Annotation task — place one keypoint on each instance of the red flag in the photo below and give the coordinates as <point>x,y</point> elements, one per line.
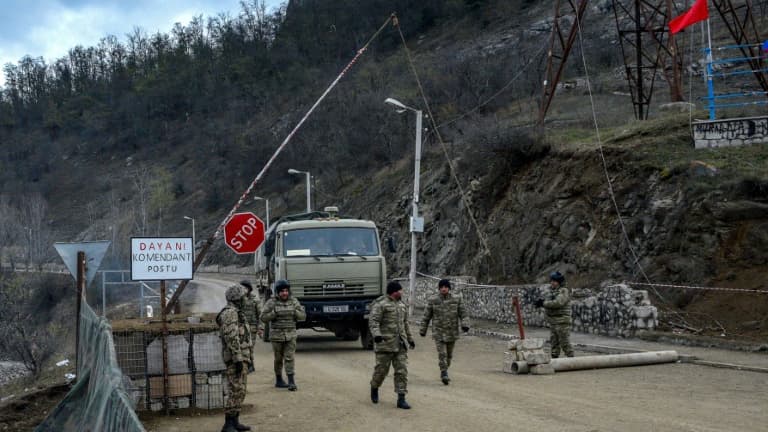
<point>697,12</point>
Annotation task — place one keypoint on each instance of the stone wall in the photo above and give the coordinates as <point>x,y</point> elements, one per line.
<point>730,132</point>
<point>616,310</point>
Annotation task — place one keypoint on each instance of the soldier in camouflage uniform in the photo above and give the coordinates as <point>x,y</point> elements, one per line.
<point>558,310</point>
<point>252,311</point>
<point>389,327</point>
<point>446,313</point>
<point>236,345</point>
<point>282,312</point>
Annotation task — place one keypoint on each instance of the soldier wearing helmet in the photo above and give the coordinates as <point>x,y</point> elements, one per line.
<point>236,345</point>
<point>558,310</point>
<point>252,311</point>
<point>282,312</point>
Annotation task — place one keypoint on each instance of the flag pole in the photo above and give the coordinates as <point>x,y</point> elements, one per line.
<point>710,84</point>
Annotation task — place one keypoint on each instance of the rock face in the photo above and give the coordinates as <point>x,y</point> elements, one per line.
<point>616,310</point>
<point>11,370</point>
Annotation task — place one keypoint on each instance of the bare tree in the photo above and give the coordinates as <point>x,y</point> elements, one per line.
<point>34,209</point>
<point>19,336</point>
<point>9,222</point>
<point>141,181</point>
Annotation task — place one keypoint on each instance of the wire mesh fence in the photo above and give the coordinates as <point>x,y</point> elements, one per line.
<point>193,364</point>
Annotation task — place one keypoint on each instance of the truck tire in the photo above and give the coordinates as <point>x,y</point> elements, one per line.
<point>366,340</point>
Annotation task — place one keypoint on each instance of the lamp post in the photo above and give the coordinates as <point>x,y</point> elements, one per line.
<point>266,201</point>
<point>193,236</point>
<point>309,202</point>
<point>417,223</point>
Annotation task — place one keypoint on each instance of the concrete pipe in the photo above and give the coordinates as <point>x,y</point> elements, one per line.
<point>519,367</point>
<point>613,360</point>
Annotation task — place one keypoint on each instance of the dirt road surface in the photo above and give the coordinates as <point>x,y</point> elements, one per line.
<point>333,378</point>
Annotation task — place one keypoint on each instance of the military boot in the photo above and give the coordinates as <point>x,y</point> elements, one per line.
<point>229,423</point>
<point>239,426</point>
<point>279,383</point>
<point>291,383</point>
<point>375,395</point>
<point>401,403</point>
<point>444,377</point>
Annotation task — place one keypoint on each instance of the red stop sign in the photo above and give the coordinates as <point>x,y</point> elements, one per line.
<point>244,233</point>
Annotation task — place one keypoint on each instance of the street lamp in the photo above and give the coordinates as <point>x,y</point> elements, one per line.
<point>309,203</point>
<point>417,223</point>
<point>266,201</point>
<point>193,236</point>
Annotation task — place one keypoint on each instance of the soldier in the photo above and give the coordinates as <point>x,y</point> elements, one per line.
<point>252,311</point>
<point>558,310</point>
<point>236,351</point>
<point>446,313</point>
<point>389,326</point>
<point>283,311</point>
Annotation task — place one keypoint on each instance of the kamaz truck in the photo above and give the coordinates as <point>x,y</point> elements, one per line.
<point>335,267</point>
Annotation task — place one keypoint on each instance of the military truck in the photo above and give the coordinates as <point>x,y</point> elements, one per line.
<point>335,266</point>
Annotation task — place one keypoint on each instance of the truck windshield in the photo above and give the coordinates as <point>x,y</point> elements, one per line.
<point>330,242</point>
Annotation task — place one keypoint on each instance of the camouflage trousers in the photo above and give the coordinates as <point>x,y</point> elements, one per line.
<point>444,354</point>
<point>237,385</point>
<point>284,352</point>
<point>560,339</point>
<point>399,361</point>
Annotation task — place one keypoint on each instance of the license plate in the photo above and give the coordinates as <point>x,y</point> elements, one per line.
<point>334,285</point>
<point>336,309</point>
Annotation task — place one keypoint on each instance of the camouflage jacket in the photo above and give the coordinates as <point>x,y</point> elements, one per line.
<point>282,317</point>
<point>252,310</point>
<point>558,306</point>
<point>236,342</point>
<point>389,319</point>
<point>446,314</point>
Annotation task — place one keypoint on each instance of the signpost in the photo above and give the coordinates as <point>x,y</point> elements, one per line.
<point>244,233</point>
<point>74,256</point>
<point>161,258</point>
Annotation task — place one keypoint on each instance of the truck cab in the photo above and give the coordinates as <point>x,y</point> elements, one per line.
<point>335,267</point>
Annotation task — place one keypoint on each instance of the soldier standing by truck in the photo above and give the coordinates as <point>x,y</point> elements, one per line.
<point>236,351</point>
<point>391,332</point>
<point>281,313</point>
<point>446,312</point>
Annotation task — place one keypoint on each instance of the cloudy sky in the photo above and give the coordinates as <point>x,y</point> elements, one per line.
<point>49,28</point>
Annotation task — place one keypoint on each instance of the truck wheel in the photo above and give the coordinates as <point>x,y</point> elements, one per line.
<point>366,340</point>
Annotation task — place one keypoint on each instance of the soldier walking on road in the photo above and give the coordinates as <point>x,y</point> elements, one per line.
<point>558,310</point>
<point>282,312</point>
<point>252,311</point>
<point>236,352</point>
<point>446,312</point>
<point>390,330</point>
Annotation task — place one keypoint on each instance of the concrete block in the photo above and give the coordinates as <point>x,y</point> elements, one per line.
<point>178,355</point>
<point>156,406</point>
<point>201,378</point>
<point>542,369</point>
<point>215,379</point>
<point>530,344</point>
<point>535,357</point>
<point>178,385</point>
<point>182,402</point>
<point>509,358</point>
<point>206,352</point>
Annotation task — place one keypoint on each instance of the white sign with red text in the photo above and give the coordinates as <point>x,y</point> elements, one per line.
<point>162,258</point>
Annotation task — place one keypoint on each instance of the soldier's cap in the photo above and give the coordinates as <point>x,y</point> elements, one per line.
<point>282,284</point>
<point>235,293</point>
<point>557,277</point>
<point>444,283</point>
<point>393,287</point>
<point>246,283</point>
